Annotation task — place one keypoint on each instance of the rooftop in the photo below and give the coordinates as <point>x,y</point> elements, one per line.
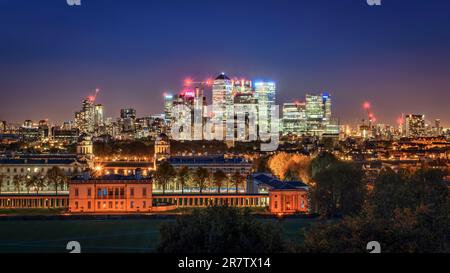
<point>110,177</point>
<point>192,160</point>
<point>279,185</point>
<point>222,76</point>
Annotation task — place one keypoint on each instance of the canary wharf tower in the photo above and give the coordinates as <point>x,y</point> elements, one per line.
<point>222,99</point>
<point>265,94</point>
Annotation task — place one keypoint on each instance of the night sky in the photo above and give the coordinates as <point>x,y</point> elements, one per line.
<point>396,56</point>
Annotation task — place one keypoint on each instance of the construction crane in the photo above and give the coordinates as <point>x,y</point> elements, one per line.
<point>198,86</point>
<point>92,98</point>
<point>189,82</point>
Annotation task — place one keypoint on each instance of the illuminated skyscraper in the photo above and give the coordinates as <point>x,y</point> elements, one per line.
<point>314,114</point>
<point>319,115</point>
<point>221,90</point>
<point>265,93</point>
<point>222,101</point>
<point>168,106</point>
<point>294,118</point>
<point>85,119</point>
<point>99,116</point>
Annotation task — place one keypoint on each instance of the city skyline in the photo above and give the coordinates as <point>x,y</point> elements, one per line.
<point>399,64</point>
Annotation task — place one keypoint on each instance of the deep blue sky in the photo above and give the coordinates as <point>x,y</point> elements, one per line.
<point>51,55</point>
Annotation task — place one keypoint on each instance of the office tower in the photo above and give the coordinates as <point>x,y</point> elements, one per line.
<point>128,113</point>
<point>128,119</point>
<point>222,102</point>
<point>242,86</point>
<point>85,119</point>
<point>265,93</point>
<point>315,114</point>
<point>99,116</point>
<point>319,115</point>
<point>245,111</point>
<point>168,105</point>
<point>415,125</point>
<point>294,118</point>
<point>44,130</point>
<point>438,130</point>
<point>326,100</point>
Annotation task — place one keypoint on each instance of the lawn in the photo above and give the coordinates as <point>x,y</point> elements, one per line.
<point>131,235</point>
<point>28,212</point>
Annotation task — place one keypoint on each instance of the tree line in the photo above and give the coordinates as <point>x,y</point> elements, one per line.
<point>199,178</point>
<point>54,178</point>
<point>406,211</point>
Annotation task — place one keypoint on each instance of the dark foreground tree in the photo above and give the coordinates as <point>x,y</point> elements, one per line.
<point>220,230</point>
<point>405,213</point>
<point>339,190</point>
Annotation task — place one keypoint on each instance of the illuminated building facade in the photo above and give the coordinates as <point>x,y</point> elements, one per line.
<point>265,93</point>
<point>85,119</point>
<point>24,167</point>
<point>112,194</point>
<point>168,105</point>
<point>415,125</point>
<point>99,116</point>
<point>319,115</point>
<point>128,120</point>
<point>294,118</point>
<point>222,102</point>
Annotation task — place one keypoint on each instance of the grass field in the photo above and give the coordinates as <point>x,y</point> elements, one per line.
<point>100,236</point>
<point>31,211</point>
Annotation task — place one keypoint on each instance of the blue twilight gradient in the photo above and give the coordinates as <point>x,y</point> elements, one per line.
<point>51,55</point>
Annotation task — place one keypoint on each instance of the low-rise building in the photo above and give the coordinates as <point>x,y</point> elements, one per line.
<point>27,165</point>
<point>110,194</point>
<point>284,196</point>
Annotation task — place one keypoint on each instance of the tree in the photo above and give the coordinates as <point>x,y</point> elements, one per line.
<point>56,178</point>
<point>406,212</point>
<point>2,181</point>
<point>219,177</point>
<point>18,181</point>
<point>260,165</point>
<point>37,181</point>
<point>279,164</point>
<point>290,166</point>
<point>237,179</point>
<point>339,190</point>
<point>201,176</point>
<point>164,174</point>
<point>183,176</point>
<point>321,162</point>
<point>220,230</point>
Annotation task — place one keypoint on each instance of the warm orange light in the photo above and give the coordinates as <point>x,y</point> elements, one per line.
<point>188,82</point>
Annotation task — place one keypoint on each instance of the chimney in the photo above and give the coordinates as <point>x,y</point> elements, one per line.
<point>138,174</point>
